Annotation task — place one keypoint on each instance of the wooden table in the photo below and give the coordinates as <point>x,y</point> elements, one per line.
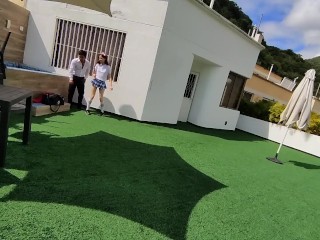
<point>8,97</point>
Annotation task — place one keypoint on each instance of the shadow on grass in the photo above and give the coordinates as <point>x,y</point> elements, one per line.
<point>236,135</point>
<point>305,165</point>
<point>17,118</point>
<point>148,184</point>
<point>7,178</point>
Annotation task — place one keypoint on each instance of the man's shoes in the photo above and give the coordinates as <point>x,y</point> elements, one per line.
<point>73,105</point>
<point>101,113</point>
<point>87,112</point>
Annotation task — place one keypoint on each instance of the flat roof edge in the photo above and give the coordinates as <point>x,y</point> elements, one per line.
<point>228,23</point>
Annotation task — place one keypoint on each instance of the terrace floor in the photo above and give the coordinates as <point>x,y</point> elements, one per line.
<point>92,177</point>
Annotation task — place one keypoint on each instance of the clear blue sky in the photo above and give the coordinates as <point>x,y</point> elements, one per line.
<point>287,24</point>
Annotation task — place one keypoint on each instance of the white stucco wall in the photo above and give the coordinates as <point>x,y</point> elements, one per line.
<point>197,33</point>
<point>143,33</point>
<point>161,48</point>
<point>205,110</point>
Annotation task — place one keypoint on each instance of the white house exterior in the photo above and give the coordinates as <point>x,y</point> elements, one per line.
<point>157,47</point>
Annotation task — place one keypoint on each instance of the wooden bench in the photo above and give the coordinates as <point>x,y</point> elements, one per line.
<point>38,83</point>
<point>39,109</point>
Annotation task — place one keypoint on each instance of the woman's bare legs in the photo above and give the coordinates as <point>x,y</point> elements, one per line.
<point>93,92</point>
<point>101,92</point>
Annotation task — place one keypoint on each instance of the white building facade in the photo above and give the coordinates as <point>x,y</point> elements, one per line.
<point>172,60</point>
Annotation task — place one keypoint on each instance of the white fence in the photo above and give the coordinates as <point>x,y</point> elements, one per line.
<point>288,84</point>
<point>208,2</point>
<point>296,139</point>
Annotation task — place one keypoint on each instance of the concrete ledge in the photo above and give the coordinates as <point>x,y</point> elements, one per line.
<point>39,109</point>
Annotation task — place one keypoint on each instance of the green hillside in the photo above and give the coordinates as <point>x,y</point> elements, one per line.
<point>315,62</point>
<point>286,62</point>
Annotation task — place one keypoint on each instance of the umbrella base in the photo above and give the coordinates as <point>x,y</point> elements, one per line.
<point>274,159</point>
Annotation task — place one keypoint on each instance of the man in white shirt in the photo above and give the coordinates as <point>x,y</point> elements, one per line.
<point>78,73</point>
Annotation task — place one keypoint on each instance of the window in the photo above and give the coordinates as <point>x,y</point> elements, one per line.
<point>192,80</point>
<point>232,91</point>
<point>71,36</point>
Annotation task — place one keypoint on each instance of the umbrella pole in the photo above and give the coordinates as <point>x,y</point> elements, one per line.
<point>275,158</point>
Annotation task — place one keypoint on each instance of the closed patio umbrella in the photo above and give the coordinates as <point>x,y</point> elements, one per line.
<point>298,109</point>
<point>97,5</point>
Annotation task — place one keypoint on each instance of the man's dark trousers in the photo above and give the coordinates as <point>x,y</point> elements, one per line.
<point>78,82</point>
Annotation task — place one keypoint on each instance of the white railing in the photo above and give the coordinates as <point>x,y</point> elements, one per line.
<point>288,83</point>
<point>265,76</point>
<point>210,4</point>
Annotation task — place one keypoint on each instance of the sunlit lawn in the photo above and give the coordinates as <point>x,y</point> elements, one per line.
<point>92,177</point>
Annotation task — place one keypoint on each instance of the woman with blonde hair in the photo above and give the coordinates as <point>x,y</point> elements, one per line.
<point>101,73</point>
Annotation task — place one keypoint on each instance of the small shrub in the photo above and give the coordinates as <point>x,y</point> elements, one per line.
<point>275,112</point>
<point>258,109</point>
<point>262,109</point>
<point>314,125</point>
<point>271,111</point>
<point>246,108</point>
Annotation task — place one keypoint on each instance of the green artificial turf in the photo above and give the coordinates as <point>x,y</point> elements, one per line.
<point>92,177</point>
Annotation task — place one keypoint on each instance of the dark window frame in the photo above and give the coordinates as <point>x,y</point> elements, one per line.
<point>233,91</point>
